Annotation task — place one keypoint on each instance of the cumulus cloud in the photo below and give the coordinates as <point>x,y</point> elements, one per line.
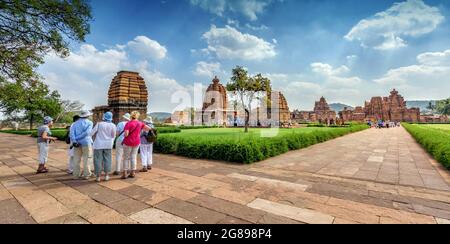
<point>207,69</point>
<point>428,78</point>
<point>335,76</point>
<point>388,29</point>
<point>147,48</point>
<point>257,28</point>
<point>229,43</point>
<point>86,74</point>
<point>432,68</point>
<point>249,8</point>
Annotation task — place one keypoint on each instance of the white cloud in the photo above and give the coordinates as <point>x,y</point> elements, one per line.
<point>431,68</point>
<point>429,78</point>
<point>389,29</point>
<point>249,8</point>
<point>147,48</point>
<point>435,59</point>
<point>328,70</point>
<point>207,69</point>
<point>335,77</point>
<point>229,43</point>
<point>91,60</point>
<point>257,28</point>
<point>86,75</point>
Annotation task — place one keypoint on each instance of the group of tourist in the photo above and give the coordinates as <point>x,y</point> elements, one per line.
<point>129,136</point>
<point>380,124</point>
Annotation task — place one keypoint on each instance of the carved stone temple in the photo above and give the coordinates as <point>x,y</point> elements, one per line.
<point>127,93</point>
<point>215,104</point>
<point>392,108</point>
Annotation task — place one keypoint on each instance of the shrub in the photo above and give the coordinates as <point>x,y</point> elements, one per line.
<point>247,149</point>
<point>168,130</point>
<point>436,142</point>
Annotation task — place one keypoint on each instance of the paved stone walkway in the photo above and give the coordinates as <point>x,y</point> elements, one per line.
<point>374,176</point>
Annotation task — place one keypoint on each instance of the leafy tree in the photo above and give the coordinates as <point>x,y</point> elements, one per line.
<point>443,107</point>
<point>29,29</point>
<point>33,100</point>
<point>68,110</point>
<point>247,89</point>
<point>431,107</point>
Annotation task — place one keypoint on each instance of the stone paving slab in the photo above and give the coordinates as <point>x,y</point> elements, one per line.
<point>299,214</point>
<point>387,178</point>
<point>12,212</point>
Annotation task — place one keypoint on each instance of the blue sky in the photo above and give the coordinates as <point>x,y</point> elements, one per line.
<point>346,50</point>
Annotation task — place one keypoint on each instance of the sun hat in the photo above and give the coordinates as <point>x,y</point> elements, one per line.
<point>47,120</point>
<point>85,114</point>
<point>108,117</point>
<point>148,120</point>
<point>127,116</point>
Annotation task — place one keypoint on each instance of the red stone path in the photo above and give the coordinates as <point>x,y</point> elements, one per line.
<point>374,176</point>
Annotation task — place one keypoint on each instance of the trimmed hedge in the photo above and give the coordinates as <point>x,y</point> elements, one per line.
<point>248,149</point>
<point>435,141</point>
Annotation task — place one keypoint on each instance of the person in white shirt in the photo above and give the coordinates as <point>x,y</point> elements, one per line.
<point>71,151</point>
<point>119,147</point>
<point>105,133</point>
<point>146,147</point>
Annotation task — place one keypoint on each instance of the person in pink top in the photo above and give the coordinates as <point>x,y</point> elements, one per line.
<point>131,144</point>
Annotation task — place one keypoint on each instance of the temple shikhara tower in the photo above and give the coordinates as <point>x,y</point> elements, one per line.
<point>127,93</point>
<point>215,104</point>
<point>391,108</point>
<point>282,109</point>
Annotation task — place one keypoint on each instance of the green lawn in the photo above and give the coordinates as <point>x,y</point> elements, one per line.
<point>444,127</point>
<point>434,138</point>
<point>238,133</point>
<point>233,145</point>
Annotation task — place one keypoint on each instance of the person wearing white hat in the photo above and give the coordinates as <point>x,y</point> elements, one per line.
<point>146,147</point>
<point>120,131</point>
<point>131,144</point>
<point>80,136</point>
<point>43,140</point>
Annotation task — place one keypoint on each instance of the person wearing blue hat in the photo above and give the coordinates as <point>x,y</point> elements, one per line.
<point>104,133</point>
<point>43,141</point>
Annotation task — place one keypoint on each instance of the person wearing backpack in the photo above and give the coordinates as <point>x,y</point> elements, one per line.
<point>43,141</point>
<point>105,133</point>
<point>80,137</point>
<point>119,147</point>
<point>70,163</point>
<point>147,140</point>
<point>131,144</point>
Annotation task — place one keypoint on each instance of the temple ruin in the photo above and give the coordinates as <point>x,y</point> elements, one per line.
<point>215,104</point>
<point>392,108</point>
<point>322,114</point>
<point>127,93</point>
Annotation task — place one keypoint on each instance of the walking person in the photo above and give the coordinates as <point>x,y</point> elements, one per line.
<point>119,147</point>
<point>105,133</point>
<point>131,144</point>
<point>147,147</point>
<point>71,150</point>
<point>43,141</point>
<point>80,136</point>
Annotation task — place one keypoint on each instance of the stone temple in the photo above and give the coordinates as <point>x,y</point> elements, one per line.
<point>392,108</point>
<point>322,113</point>
<point>215,104</point>
<point>127,93</point>
<point>282,109</point>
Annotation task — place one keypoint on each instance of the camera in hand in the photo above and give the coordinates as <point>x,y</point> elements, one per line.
<point>76,145</point>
